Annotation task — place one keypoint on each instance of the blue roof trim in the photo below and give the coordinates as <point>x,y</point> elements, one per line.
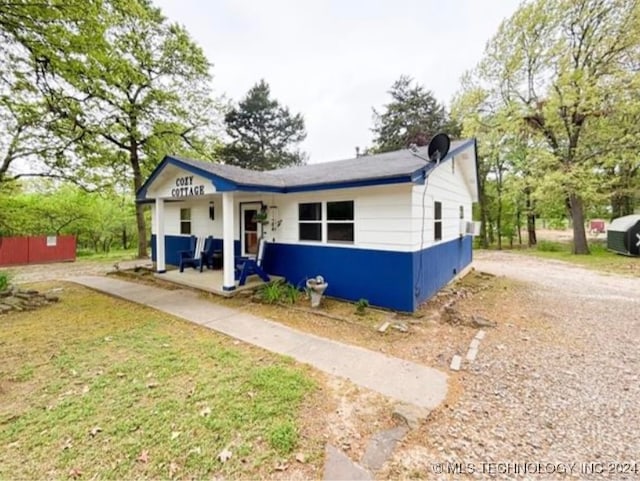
<point>222,184</point>
<point>141,195</point>
<point>420,175</point>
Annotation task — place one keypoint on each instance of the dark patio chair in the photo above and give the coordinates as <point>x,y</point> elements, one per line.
<point>193,256</point>
<point>246,266</point>
<point>208,251</point>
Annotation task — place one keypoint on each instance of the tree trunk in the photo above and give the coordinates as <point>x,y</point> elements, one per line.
<point>531,229</point>
<point>499,222</point>
<point>137,183</point>
<point>484,218</point>
<point>531,219</point>
<point>518,220</point>
<point>580,245</point>
<point>125,239</point>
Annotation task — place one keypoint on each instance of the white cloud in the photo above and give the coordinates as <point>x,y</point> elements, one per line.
<point>334,60</point>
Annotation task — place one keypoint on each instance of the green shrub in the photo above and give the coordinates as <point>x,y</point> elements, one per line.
<point>4,280</point>
<point>361,306</point>
<point>276,292</point>
<point>271,292</point>
<point>549,246</point>
<point>290,294</point>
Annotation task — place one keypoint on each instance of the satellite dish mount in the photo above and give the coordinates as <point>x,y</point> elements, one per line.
<point>439,147</point>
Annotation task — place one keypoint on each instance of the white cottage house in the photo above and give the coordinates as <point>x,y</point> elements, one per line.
<point>391,228</point>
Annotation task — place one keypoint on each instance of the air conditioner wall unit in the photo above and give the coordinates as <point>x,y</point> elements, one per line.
<point>468,227</point>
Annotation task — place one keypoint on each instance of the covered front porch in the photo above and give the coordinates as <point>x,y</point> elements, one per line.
<point>210,281</point>
<point>191,203</point>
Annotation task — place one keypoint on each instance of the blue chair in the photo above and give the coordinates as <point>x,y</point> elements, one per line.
<point>247,266</point>
<point>193,256</point>
<point>208,251</point>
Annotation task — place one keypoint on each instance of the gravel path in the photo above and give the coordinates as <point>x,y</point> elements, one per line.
<point>64,270</point>
<point>558,381</point>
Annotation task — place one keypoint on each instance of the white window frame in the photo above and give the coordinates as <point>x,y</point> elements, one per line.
<point>324,221</point>
<point>329,221</point>
<point>186,221</point>
<point>437,221</point>
<point>320,221</point>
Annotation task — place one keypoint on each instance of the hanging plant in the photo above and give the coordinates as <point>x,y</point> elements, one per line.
<point>262,217</point>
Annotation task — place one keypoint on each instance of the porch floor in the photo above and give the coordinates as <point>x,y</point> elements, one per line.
<point>210,281</point>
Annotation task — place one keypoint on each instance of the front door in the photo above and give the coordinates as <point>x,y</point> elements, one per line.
<point>249,228</point>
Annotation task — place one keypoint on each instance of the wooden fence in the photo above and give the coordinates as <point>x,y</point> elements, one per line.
<point>37,249</point>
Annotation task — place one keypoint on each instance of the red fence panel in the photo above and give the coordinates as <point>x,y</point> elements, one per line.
<point>37,249</point>
<point>51,249</point>
<point>14,250</point>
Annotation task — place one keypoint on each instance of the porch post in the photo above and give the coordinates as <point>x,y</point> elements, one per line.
<point>228,283</point>
<point>159,218</point>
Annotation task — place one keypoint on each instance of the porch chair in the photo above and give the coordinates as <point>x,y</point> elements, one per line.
<point>208,252</point>
<point>193,256</point>
<point>246,266</point>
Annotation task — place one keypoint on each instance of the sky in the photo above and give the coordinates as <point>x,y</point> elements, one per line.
<point>332,60</point>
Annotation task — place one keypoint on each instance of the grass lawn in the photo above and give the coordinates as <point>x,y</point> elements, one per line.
<point>112,255</point>
<point>599,259</point>
<point>95,387</point>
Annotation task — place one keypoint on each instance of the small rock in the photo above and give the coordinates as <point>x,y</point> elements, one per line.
<point>384,326</point>
<point>471,355</point>
<point>410,415</point>
<point>479,321</point>
<point>400,327</point>
<point>51,297</point>
<point>301,458</point>
<point>456,362</point>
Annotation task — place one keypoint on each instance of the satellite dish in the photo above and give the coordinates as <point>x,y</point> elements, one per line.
<point>439,147</point>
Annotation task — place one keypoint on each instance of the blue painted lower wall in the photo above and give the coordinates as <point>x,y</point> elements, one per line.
<point>381,277</point>
<point>395,280</point>
<point>435,266</point>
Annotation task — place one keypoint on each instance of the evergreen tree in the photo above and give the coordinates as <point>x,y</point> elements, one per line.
<point>264,134</point>
<point>413,116</point>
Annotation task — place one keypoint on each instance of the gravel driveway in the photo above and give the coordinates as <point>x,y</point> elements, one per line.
<point>64,270</point>
<point>555,385</point>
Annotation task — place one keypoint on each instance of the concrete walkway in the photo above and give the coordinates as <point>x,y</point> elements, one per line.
<point>402,380</point>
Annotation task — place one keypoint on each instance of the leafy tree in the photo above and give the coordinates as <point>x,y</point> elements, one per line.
<point>263,133</point>
<point>413,116</point>
<point>143,84</point>
<point>556,64</point>
<point>30,34</point>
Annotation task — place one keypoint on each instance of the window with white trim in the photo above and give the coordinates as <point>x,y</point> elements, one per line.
<point>437,221</point>
<point>340,221</point>
<point>185,221</point>
<point>310,221</point>
<point>331,222</point>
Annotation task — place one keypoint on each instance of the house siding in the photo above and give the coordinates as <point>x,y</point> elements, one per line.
<point>434,267</point>
<point>382,277</point>
<point>445,185</point>
<point>394,261</point>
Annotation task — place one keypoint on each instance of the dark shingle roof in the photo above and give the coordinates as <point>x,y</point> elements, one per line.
<point>400,166</point>
<point>378,166</point>
<point>236,174</point>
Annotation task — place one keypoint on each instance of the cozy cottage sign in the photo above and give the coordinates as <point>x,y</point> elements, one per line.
<point>184,187</point>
